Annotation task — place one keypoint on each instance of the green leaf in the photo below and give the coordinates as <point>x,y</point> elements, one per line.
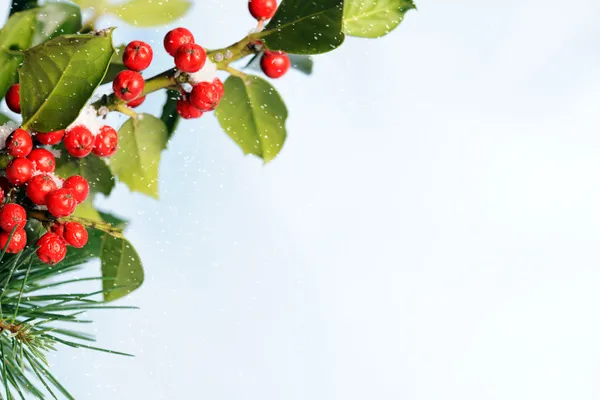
<point>146,13</point>
<point>114,220</point>
<point>17,34</point>
<point>21,5</point>
<point>87,210</point>
<point>300,62</point>
<point>55,19</point>
<point>122,264</point>
<point>305,27</point>
<point>4,119</point>
<point>374,18</point>
<point>59,77</point>
<point>253,115</point>
<point>92,168</point>
<point>141,142</point>
<point>169,115</point>
<point>116,65</point>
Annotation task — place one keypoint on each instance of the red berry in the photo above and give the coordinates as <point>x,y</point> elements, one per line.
<point>19,171</point>
<point>205,96</point>
<point>75,234</point>
<point>275,64</point>
<point>13,98</point>
<point>1,196</point>
<point>61,202</point>
<point>262,9</point>
<point>128,85</point>
<point>79,187</point>
<point>58,228</point>
<point>186,110</point>
<point>43,160</point>
<point>176,38</point>
<point>106,142</point>
<point>5,185</point>
<point>17,242</point>
<point>12,215</point>
<point>50,138</point>
<point>79,141</point>
<point>52,248</point>
<point>137,55</point>
<point>39,187</point>
<point>190,57</point>
<point>19,143</point>
<point>137,102</point>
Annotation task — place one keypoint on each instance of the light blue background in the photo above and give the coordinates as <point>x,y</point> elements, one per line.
<point>429,232</point>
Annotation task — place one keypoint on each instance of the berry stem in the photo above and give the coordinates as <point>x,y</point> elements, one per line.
<point>123,109</point>
<point>44,217</point>
<point>234,52</point>
<point>236,72</point>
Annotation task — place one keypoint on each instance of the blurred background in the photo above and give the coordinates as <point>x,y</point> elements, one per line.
<point>429,231</point>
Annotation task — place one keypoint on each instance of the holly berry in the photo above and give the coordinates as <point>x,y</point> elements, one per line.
<point>275,64</point>
<point>43,160</point>
<point>19,143</point>
<point>205,96</point>
<point>176,38</point>
<point>79,141</point>
<point>17,242</point>
<point>61,202</point>
<point>19,171</point>
<point>190,57</point>
<point>50,138</point>
<point>128,85</point>
<point>13,98</point>
<point>79,187</point>
<point>12,215</point>
<point>75,234</point>
<point>137,102</point>
<point>262,9</point>
<point>137,55</point>
<point>39,187</point>
<point>186,110</point>
<point>5,185</point>
<point>106,142</point>
<point>51,248</point>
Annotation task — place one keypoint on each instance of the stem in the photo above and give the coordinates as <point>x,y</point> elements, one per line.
<point>123,109</point>
<point>101,226</point>
<point>234,52</point>
<point>236,72</point>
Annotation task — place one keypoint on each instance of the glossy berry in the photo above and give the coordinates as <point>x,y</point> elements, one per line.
<point>75,234</point>
<point>12,215</point>
<point>17,242</point>
<point>52,249</point>
<point>275,64</point>
<point>61,202</point>
<point>79,187</point>
<point>128,85</point>
<point>106,142</point>
<point>205,96</point>
<point>13,98</point>
<point>50,138</point>
<point>19,143</point>
<point>19,171</point>
<point>79,141</point>
<point>186,110</point>
<point>262,9</point>
<point>190,58</point>
<point>43,160</point>
<point>176,38</point>
<point>136,102</point>
<point>137,55</point>
<point>39,187</point>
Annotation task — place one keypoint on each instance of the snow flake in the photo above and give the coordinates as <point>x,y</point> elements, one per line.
<point>208,73</point>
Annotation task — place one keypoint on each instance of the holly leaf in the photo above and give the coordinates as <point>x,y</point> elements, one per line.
<point>374,18</point>
<point>54,19</point>
<point>300,62</point>
<point>59,77</point>
<point>4,119</point>
<point>122,266</point>
<point>305,27</point>
<point>136,162</point>
<point>144,13</point>
<point>116,65</point>
<point>169,115</point>
<point>16,35</point>
<point>253,114</point>
<point>114,220</point>
<point>92,168</point>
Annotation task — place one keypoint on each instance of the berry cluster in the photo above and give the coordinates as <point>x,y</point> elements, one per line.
<point>129,84</point>
<point>29,181</point>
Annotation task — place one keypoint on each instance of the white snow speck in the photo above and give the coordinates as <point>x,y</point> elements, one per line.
<point>208,73</point>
